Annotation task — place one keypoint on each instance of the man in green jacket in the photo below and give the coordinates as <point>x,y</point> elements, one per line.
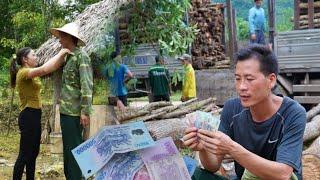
<point>76,96</point>
<point>159,80</point>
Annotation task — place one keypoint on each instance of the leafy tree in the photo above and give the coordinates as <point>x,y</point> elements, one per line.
<point>161,22</point>
<point>242,29</point>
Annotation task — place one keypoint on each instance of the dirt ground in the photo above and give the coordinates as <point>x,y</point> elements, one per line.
<point>49,166</point>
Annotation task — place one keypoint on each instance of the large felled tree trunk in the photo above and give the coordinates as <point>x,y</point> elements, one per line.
<point>313,112</point>
<point>312,129</point>
<point>188,109</point>
<point>167,127</point>
<point>311,161</point>
<point>311,167</point>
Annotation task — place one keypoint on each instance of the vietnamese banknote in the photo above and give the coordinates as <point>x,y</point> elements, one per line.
<point>191,164</point>
<point>94,153</point>
<point>142,174</point>
<point>121,166</point>
<point>163,161</point>
<point>203,120</point>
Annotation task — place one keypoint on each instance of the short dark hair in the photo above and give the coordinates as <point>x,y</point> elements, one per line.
<point>266,58</point>
<point>158,58</point>
<point>113,55</point>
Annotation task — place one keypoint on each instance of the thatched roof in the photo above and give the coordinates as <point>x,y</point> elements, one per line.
<point>92,22</point>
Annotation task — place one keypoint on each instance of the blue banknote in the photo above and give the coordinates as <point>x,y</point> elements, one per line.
<point>94,153</point>
<point>121,167</point>
<point>191,164</point>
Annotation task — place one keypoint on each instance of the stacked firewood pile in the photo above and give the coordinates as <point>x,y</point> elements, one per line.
<point>123,29</point>
<point>164,119</point>
<point>311,156</point>
<point>208,49</point>
<point>304,18</point>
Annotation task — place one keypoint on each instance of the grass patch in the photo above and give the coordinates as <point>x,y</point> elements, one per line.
<point>9,149</point>
<point>9,145</point>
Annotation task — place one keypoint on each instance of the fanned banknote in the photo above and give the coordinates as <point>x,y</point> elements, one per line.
<point>203,120</point>
<point>94,153</point>
<point>191,164</point>
<point>164,162</point>
<point>142,174</point>
<point>121,166</point>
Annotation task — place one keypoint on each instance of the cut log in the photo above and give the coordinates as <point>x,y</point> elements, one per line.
<point>306,22</point>
<point>209,107</point>
<point>164,109</point>
<point>188,109</point>
<point>312,129</point>
<point>305,5</point>
<point>172,108</point>
<point>168,127</point>
<point>186,103</point>
<point>314,148</point>
<point>306,17</point>
<point>311,161</point>
<point>313,112</point>
<point>128,114</point>
<point>310,166</point>
<point>156,105</point>
<point>307,26</point>
<point>150,117</point>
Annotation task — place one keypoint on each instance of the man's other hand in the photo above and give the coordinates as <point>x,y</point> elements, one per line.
<point>190,139</point>
<point>253,37</point>
<point>84,120</point>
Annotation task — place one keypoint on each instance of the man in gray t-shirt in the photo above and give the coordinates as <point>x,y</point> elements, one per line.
<point>261,131</point>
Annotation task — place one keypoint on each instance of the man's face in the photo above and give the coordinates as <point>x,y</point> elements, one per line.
<point>252,85</point>
<point>182,61</point>
<point>65,39</point>
<point>258,3</point>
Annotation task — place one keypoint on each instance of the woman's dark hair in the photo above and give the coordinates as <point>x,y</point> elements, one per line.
<point>23,52</point>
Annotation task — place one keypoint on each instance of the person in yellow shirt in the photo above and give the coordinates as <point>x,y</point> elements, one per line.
<point>189,83</point>
<point>24,75</point>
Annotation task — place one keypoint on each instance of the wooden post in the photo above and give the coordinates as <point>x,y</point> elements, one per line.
<point>271,10</point>
<point>231,33</point>
<point>310,14</point>
<point>234,27</point>
<point>296,14</point>
<point>57,79</point>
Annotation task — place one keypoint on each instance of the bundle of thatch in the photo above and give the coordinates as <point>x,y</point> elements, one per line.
<point>92,21</point>
<point>208,49</point>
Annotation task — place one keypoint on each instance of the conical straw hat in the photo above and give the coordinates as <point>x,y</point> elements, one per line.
<point>71,29</point>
